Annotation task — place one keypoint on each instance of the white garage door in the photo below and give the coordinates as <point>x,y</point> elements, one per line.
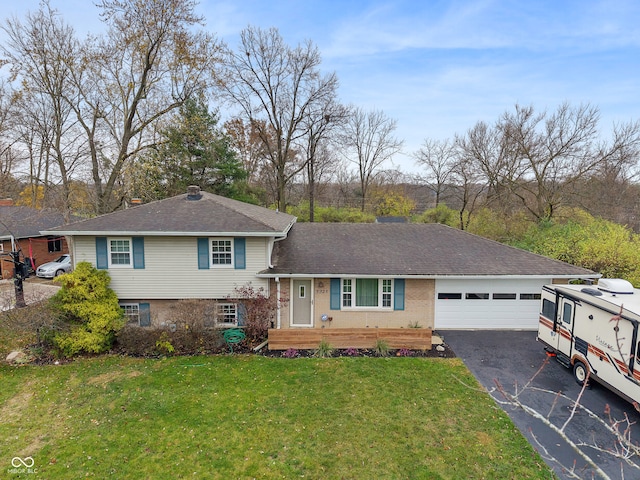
<point>498,304</point>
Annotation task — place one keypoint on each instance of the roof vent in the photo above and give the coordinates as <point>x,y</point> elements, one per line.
<point>193,192</point>
<point>615,286</point>
<point>592,291</point>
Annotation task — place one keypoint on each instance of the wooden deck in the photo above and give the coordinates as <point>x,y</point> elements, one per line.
<point>308,339</point>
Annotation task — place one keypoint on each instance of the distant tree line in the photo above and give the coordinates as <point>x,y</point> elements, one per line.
<point>156,103</point>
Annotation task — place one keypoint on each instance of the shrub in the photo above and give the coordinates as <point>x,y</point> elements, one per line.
<point>37,324</point>
<point>324,350</point>
<point>440,214</point>
<point>163,345</point>
<point>290,353</point>
<point>143,341</point>
<point>257,311</point>
<point>381,348</point>
<point>351,352</point>
<point>91,308</point>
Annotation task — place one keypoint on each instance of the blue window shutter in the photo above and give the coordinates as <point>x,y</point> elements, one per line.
<point>102,255</point>
<point>138,252</point>
<point>239,253</point>
<point>203,253</point>
<point>242,314</point>
<point>145,314</point>
<point>335,294</point>
<point>398,294</point>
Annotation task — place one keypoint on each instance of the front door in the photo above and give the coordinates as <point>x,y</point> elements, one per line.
<point>302,303</point>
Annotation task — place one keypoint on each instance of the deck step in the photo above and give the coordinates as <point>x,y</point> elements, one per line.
<point>563,359</point>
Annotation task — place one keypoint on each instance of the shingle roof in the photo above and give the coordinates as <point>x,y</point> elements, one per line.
<point>179,215</point>
<point>405,249</point>
<point>26,222</point>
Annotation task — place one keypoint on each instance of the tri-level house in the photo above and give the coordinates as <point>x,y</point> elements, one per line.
<point>333,276</point>
<point>192,246</point>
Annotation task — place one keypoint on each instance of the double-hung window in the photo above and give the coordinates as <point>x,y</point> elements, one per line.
<point>367,293</point>
<point>131,312</point>
<point>120,254</point>
<point>221,252</point>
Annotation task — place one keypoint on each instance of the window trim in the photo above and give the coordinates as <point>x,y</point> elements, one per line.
<point>352,295</point>
<point>110,252</point>
<point>232,252</point>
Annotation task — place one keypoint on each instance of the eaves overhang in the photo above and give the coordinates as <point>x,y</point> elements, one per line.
<point>426,276</point>
<point>129,233</point>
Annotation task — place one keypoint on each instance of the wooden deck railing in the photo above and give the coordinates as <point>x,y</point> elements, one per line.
<point>307,339</point>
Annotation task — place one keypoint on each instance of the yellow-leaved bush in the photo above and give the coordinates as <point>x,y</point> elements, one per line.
<point>91,308</point>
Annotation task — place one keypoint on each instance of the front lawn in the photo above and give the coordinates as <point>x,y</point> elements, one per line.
<point>236,417</point>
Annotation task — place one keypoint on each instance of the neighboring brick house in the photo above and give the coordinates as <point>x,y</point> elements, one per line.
<point>20,231</point>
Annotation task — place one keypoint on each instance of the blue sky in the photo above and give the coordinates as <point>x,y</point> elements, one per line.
<point>438,67</point>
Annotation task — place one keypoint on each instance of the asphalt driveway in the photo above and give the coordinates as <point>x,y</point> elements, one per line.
<point>512,358</point>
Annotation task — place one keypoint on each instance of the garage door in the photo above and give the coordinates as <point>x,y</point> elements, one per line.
<point>499,304</point>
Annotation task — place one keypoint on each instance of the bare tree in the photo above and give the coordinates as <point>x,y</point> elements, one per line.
<point>147,65</point>
<point>321,122</point>
<point>554,152</point>
<point>277,88</point>
<point>614,180</point>
<point>469,189</point>
<point>9,184</point>
<point>438,159</point>
<point>493,157</point>
<point>369,142</point>
<point>247,144</point>
<point>37,52</point>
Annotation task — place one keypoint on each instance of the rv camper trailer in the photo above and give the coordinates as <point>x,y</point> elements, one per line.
<point>594,331</point>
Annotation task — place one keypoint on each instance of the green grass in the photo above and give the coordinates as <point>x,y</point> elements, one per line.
<point>237,417</point>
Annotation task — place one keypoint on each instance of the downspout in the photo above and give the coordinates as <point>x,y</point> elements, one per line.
<point>277,279</point>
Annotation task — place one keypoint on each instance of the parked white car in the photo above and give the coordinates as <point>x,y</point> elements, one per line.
<point>52,269</point>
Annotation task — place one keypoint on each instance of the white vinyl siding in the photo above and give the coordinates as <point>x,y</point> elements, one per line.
<point>488,304</point>
<point>171,269</point>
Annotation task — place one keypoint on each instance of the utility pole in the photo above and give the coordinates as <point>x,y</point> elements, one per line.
<point>18,277</point>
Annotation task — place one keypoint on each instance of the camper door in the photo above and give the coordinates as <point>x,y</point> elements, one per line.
<point>564,324</point>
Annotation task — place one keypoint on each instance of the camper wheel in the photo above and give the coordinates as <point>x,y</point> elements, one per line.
<point>580,372</point>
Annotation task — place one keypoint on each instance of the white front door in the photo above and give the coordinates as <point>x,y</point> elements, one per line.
<point>302,303</point>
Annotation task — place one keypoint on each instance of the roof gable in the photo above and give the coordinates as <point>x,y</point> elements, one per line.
<point>405,249</point>
<point>201,214</point>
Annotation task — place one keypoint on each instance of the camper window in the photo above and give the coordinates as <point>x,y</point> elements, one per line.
<point>548,309</point>
<point>566,313</point>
